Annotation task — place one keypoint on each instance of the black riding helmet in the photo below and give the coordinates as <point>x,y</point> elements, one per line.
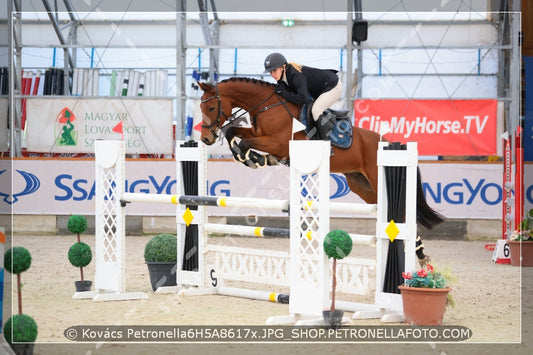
<point>273,61</point>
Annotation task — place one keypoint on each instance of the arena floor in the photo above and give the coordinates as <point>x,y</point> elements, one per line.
<point>487,296</point>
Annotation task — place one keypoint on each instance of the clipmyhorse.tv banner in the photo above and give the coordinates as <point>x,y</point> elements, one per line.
<point>441,127</point>
<point>71,125</point>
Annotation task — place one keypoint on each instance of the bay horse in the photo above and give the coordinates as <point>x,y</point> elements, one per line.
<point>272,118</point>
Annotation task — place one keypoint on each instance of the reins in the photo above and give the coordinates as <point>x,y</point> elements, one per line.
<point>233,117</point>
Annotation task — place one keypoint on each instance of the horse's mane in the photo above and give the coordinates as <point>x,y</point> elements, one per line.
<point>247,80</point>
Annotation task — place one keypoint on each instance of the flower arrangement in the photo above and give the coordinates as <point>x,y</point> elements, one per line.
<point>430,277</point>
<point>526,229</point>
<point>426,277</point>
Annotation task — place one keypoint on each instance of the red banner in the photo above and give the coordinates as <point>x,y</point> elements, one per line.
<point>441,127</point>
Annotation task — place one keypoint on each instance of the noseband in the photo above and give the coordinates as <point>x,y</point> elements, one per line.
<point>216,123</point>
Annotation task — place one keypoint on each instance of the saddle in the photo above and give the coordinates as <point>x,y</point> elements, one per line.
<point>340,136</point>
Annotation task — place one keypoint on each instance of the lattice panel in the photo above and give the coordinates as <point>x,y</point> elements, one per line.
<point>352,275</point>
<point>110,216</point>
<point>309,245</point>
<point>251,265</point>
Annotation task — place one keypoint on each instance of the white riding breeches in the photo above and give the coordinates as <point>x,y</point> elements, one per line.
<point>326,100</point>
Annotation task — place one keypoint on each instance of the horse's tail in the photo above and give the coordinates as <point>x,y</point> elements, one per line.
<point>425,215</point>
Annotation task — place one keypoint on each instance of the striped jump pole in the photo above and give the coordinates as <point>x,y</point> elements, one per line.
<point>246,202</point>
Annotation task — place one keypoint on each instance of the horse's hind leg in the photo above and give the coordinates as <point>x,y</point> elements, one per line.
<point>360,185</point>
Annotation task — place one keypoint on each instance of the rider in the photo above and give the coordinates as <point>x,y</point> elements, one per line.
<point>297,83</point>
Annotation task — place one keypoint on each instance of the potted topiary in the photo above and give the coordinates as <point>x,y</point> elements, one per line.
<point>337,245</point>
<point>79,254</point>
<point>20,330</point>
<point>160,255</point>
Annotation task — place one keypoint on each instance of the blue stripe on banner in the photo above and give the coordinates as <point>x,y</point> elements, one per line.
<point>528,109</point>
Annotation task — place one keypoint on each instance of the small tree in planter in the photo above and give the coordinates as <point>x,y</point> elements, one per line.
<point>79,254</point>
<point>160,255</point>
<point>19,328</point>
<point>337,245</point>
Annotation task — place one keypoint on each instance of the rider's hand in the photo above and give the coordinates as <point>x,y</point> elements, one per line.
<point>281,88</point>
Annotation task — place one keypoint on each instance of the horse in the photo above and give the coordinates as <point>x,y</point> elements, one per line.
<point>271,119</point>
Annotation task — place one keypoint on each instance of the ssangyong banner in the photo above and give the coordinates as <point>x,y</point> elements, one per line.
<point>71,125</point>
<point>441,127</point>
<point>64,187</point>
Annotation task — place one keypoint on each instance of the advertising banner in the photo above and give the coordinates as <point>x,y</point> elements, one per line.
<point>71,125</point>
<point>65,187</point>
<point>4,138</point>
<point>441,127</point>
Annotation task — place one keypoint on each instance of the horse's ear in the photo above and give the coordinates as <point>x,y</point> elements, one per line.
<point>205,87</point>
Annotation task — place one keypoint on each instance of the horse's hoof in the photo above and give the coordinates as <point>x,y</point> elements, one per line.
<point>250,164</point>
<point>271,160</point>
<point>424,261</point>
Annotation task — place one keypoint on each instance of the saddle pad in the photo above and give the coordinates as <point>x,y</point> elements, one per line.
<point>340,136</point>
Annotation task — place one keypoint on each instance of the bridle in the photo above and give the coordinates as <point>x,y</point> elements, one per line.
<point>220,112</point>
<point>216,122</point>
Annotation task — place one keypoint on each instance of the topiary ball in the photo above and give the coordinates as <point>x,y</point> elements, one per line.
<point>80,254</point>
<point>77,224</point>
<point>337,244</point>
<point>20,328</point>
<point>161,248</point>
<point>17,260</point>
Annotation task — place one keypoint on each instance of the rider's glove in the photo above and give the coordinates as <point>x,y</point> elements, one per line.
<point>281,88</point>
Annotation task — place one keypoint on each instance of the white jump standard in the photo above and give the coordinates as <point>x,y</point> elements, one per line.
<point>308,271</point>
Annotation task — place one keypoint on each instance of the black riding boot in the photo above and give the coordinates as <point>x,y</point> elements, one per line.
<point>324,125</point>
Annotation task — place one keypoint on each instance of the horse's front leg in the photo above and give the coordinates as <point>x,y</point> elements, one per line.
<point>242,151</point>
<point>238,150</point>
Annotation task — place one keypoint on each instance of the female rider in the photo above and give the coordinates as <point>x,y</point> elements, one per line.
<point>297,83</point>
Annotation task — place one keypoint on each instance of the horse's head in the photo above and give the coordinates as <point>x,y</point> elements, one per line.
<point>214,110</point>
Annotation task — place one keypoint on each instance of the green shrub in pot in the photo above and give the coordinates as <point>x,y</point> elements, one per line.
<point>161,248</point>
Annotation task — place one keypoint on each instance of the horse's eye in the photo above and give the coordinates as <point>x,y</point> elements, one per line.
<point>211,109</point>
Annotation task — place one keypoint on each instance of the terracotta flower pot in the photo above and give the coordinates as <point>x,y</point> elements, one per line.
<point>527,252</point>
<point>424,306</point>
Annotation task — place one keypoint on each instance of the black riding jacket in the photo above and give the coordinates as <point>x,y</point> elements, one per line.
<point>311,81</point>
